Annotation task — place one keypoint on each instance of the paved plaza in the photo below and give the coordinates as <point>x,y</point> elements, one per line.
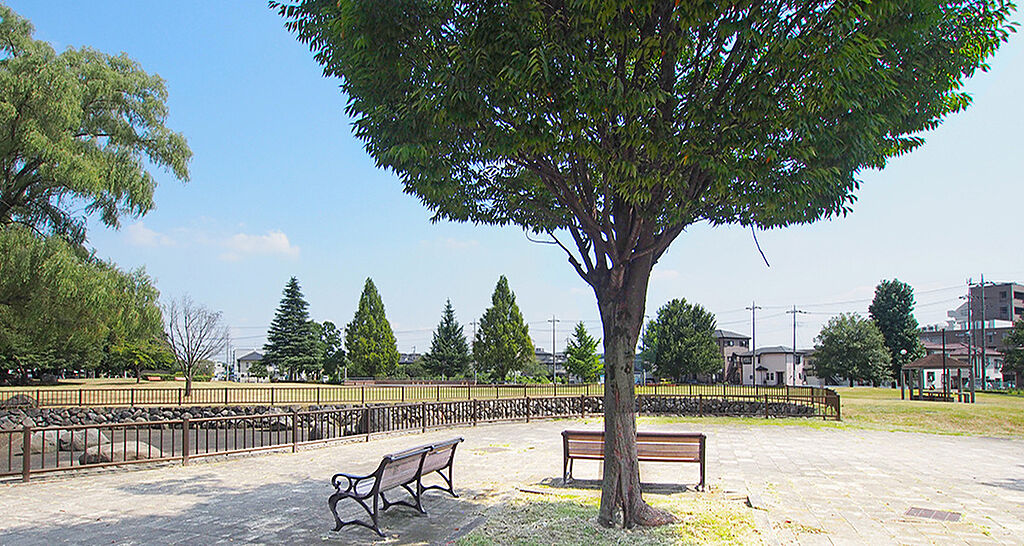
<point>812,486</point>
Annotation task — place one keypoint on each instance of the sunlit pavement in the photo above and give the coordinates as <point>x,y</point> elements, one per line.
<point>815,486</point>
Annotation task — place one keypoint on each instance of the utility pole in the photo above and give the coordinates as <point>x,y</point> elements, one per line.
<point>472,344</point>
<point>553,321</point>
<point>984,384</point>
<point>753,342</point>
<point>795,311</point>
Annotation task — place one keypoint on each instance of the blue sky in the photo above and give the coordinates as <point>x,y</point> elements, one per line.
<point>279,187</point>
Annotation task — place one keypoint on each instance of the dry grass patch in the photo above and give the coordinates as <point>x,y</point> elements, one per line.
<point>569,516</point>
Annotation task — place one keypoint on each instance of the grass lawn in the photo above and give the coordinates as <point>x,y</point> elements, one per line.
<point>999,415</point>
<point>569,516</point>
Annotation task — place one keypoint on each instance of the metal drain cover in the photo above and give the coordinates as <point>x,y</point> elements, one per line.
<point>940,515</point>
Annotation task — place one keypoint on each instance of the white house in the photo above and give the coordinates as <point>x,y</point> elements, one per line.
<point>773,366</point>
<point>242,364</point>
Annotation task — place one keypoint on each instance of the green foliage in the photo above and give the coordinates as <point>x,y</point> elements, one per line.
<point>551,115</point>
<point>414,370</point>
<point>502,344</point>
<point>581,355</point>
<point>293,345</point>
<point>893,312</point>
<point>333,355</point>
<point>61,308</point>
<point>852,348</point>
<point>1014,352</point>
<point>78,130</point>
<point>681,341</point>
<point>258,369</point>
<point>371,348</point>
<point>449,351</point>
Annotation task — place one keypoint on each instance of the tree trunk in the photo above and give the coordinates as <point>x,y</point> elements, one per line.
<point>188,384</point>
<point>621,296</point>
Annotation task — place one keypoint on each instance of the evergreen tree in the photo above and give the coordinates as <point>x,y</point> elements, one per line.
<point>503,342</point>
<point>681,341</point>
<point>292,345</point>
<point>893,313</point>
<point>581,355</point>
<point>449,351</point>
<point>371,348</point>
<point>852,348</point>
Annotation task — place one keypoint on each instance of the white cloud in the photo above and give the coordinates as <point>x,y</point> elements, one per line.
<point>140,235</point>
<point>240,245</point>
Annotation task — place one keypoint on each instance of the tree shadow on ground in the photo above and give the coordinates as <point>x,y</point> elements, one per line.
<point>1013,484</point>
<point>646,487</point>
<point>278,513</point>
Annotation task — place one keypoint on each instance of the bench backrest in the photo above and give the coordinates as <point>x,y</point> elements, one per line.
<point>675,446</point>
<point>399,468</point>
<point>440,455</point>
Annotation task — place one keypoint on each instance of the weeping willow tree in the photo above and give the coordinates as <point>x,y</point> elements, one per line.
<point>611,126</point>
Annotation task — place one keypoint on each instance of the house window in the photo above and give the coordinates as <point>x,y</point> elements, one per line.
<point>1002,294</point>
<point>931,376</point>
<point>729,343</point>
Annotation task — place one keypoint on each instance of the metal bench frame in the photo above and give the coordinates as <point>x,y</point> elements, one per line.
<point>350,489</point>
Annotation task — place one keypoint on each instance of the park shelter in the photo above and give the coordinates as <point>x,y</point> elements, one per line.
<point>937,377</point>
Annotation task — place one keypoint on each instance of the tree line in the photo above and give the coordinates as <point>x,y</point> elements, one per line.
<point>299,348</point>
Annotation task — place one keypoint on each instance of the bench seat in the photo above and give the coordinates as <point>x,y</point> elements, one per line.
<point>660,447</point>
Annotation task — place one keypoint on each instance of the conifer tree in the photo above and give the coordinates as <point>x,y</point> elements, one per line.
<point>449,351</point>
<point>369,342</point>
<point>292,345</point>
<point>581,355</point>
<point>503,342</point>
<point>892,309</point>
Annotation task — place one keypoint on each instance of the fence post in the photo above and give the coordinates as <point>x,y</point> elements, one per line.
<point>583,406</point>
<point>26,452</point>
<point>438,389</point>
<point>403,393</point>
<point>295,430</point>
<point>527,408</point>
<point>225,396</point>
<point>423,414</point>
<point>766,406</point>
<point>271,395</point>
<point>79,397</point>
<point>131,398</point>
<point>474,412</point>
<point>366,420</point>
<point>469,395</point>
<point>362,399</point>
<point>184,442</point>
<point>700,405</point>
<point>179,396</point>
<point>496,395</point>
<point>318,396</point>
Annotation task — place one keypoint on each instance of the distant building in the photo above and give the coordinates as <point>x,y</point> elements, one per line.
<point>544,358</point>
<point>242,365</point>
<point>773,366</point>
<point>1003,301</point>
<point>731,344</point>
<point>961,351</point>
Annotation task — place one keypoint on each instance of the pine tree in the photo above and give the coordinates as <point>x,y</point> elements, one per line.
<point>449,351</point>
<point>292,345</point>
<point>581,353</point>
<point>503,342</point>
<point>369,342</point>
<point>892,309</point>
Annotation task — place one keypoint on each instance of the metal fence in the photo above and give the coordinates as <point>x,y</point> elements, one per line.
<point>270,395</point>
<point>40,450</point>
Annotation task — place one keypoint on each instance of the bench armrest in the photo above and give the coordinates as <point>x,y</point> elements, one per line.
<point>352,480</point>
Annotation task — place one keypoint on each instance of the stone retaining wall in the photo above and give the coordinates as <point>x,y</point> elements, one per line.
<point>402,416</point>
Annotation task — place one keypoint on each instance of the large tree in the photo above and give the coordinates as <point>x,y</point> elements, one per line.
<point>79,131</point>
<point>892,309</point>
<point>194,334</point>
<point>581,357</point>
<point>371,348</point>
<point>851,347</point>
<point>449,350</point>
<point>612,126</point>
<point>61,308</point>
<point>502,345</point>
<point>293,346</point>
<point>680,341</point>
<point>333,355</point>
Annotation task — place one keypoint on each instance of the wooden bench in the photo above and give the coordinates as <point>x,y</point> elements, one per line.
<point>663,447</point>
<point>402,469</point>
